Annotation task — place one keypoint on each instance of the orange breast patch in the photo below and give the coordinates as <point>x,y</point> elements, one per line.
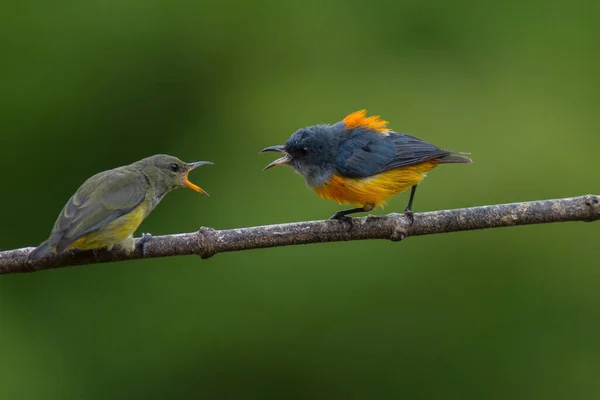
<point>374,190</point>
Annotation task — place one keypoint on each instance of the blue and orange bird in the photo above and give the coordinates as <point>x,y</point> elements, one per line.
<point>360,161</point>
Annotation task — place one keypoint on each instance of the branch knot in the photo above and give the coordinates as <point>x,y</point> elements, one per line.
<point>205,242</point>
<point>400,231</point>
<point>591,200</point>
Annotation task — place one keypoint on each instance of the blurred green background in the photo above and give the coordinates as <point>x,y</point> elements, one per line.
<point>496,314</point>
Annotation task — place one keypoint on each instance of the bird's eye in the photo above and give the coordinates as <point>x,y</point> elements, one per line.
<point>303,152</point>
<point>174,167</point>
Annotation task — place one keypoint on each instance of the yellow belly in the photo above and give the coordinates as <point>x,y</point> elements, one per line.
<point>375,190</point>
<point>118,232</point>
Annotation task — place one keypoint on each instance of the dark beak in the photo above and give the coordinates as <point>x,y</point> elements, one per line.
<point>280,161</point>
<point>197,164</point>
<point>189,184</point>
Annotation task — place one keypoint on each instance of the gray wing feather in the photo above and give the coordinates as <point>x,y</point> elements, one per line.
<point>366,153</point>
<point>99,201</point>
<point>410,150</point>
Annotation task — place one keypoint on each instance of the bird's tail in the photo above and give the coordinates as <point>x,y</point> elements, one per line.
<point>455,158</point>
<point>40,251</point>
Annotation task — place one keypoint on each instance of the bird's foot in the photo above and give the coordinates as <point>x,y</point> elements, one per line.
<point>409,214</point>
<point>344,218</point>
<point>95,254</point>
<point>143,241</point>
<point>341,216</point>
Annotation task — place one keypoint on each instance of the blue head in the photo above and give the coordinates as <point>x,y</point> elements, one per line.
<point>311,152</point>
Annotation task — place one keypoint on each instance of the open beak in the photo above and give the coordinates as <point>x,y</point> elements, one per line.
<point>280,161</point>
<point>189,184</point>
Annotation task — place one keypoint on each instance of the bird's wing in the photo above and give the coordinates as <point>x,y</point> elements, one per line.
<point>410,150</point>
<point>367,153</point>
<point>99,201</point>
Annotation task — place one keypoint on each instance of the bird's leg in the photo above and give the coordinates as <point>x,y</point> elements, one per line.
<point>408,210</point>
<point>343,215</point>
<point>95,253</point>
<point>145,238</point>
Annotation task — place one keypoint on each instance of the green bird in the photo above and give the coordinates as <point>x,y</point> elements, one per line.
<point>108,208</point>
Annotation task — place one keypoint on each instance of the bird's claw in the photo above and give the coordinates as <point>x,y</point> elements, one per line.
<point>345,219</point>
<point>143,240</point>
<point>409,214</point>
<point>95,253</point>
<point>340,216</point>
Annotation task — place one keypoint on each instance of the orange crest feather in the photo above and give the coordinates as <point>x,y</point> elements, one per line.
<point>359,119</point>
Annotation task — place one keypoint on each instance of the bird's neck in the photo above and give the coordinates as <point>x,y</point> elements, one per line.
<point>315,176</point>
<point>156,190</point>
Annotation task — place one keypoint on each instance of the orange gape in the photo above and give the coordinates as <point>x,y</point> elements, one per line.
<point>375,190</point>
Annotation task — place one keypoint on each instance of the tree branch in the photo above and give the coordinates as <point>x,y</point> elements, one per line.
<point>207,242</point>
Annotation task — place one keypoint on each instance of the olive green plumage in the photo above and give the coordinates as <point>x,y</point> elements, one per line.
<point>107,208</point>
